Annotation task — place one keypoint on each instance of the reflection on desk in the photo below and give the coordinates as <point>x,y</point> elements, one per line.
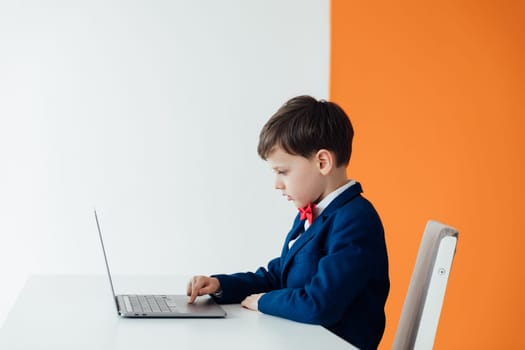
<point>77,312</point>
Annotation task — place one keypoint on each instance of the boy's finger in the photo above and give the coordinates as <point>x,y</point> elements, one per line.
<point>205,290</point>
<point>193,296</point>
<point>194,291</point>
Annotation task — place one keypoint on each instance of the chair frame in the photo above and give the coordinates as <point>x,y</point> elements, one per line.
<point>424,300</point>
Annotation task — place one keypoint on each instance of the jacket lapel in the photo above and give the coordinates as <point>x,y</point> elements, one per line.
<point>297,228</point>
<point>301,241</point>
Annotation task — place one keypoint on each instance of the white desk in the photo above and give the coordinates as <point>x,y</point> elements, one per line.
<point>77,312</point>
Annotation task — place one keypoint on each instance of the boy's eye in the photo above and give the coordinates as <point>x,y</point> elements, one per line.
<point>281,172</point>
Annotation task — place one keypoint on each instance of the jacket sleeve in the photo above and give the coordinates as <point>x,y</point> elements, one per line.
<point>238,286</point>
<point>341,276</point>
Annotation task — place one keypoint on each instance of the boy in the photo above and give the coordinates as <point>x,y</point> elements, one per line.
<point>333,269</point>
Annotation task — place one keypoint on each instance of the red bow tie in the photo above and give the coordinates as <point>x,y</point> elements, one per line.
<point>308,213</point>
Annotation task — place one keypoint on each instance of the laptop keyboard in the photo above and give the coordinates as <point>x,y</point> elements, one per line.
<point>152,303</point>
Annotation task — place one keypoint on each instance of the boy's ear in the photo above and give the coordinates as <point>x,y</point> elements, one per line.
<point>325,161</point>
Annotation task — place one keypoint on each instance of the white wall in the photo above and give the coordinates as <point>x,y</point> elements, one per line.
<point>150,111</point>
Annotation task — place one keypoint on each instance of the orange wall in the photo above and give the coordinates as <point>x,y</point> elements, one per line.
<point>436,93</point>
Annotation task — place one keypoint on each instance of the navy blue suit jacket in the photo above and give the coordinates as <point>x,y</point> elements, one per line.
<point>334,275</point>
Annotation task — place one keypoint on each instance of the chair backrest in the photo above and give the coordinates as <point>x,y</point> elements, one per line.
<point>420,316</point>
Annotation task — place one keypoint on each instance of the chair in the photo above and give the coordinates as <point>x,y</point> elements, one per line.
<point>419,319</point>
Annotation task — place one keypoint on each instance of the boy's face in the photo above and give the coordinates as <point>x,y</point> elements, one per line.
<point>298,178</point>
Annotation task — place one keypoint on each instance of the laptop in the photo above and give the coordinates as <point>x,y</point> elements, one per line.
<point>159,306</point>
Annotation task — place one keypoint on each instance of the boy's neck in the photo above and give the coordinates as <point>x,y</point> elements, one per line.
<point>335,179</point>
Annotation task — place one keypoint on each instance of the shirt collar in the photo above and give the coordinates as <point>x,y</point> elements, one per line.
<point>319,207</point>
<point>331,196</point>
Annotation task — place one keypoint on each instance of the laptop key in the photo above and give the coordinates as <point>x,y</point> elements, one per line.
<point>152,303</point>
<point>170,302</point>
<point>144,303</point>
<point>135,303</point>
<point>162,304</point>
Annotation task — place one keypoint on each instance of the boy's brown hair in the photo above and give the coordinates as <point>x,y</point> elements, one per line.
<point>303,126</point>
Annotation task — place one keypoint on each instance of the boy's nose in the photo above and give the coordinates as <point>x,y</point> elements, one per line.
<point>278,184</point>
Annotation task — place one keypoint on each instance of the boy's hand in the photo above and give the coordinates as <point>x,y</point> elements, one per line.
<point>201,285</point>
<point>252,301</point>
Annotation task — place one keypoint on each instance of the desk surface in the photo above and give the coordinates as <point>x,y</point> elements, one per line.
<point>77,312</point>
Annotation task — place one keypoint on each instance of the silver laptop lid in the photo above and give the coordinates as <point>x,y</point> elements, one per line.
<point>106,260</point>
